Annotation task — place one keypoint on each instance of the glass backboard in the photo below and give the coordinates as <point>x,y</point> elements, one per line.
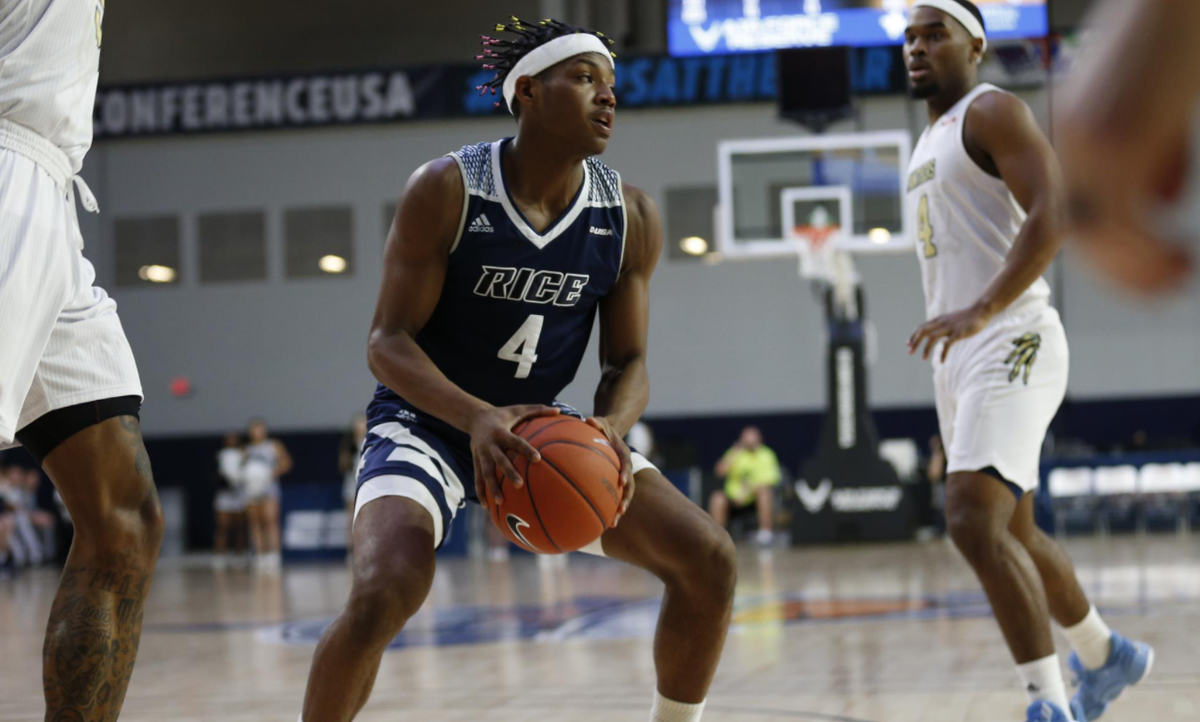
<point>764,181</point>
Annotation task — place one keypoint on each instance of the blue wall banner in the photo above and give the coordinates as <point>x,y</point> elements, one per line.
<point>374,96</point>
<point>439,92</point>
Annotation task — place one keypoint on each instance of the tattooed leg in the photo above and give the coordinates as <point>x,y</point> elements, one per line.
<point>92,637</point>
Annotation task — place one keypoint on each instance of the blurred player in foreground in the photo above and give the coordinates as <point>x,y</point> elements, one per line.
<point>1124,136</point>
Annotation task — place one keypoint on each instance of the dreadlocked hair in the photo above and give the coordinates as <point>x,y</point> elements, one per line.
<point>503,55</point>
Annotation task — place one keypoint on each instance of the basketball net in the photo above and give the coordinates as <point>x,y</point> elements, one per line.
<point>821,262</point>
<point>816,251</point>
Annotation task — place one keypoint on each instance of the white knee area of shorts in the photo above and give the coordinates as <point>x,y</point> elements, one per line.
<point>405,487</point>
<point>596,549</point>
<point>639,464</point>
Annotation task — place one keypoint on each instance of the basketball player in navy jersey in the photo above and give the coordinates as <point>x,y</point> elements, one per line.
<point>1124,133</point>
<point>499,259</point>
<point>986,191</point>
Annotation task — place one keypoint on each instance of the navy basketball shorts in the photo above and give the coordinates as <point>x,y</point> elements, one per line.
<point>405,459</point>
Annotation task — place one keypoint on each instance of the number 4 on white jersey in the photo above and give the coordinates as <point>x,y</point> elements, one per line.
<point>522,347</point>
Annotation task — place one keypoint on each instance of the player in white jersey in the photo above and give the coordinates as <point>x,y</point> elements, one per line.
<point>1124,133</point>
<point>985,188</point>
<point>69,388</point>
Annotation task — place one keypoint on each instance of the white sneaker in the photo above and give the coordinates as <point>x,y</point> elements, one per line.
<point>764,537</point>
<point>498,554</point>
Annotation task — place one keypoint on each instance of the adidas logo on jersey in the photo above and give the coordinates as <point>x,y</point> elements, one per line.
<point>481,225</point>
<point>601,231</point>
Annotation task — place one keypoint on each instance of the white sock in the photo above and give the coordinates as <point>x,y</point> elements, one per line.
<point>1091,639</point>
<point>1043,680</point>
<point>666,710</point>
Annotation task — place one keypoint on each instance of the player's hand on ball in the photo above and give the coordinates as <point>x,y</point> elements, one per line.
<point>952,327</point>
<point>492,437</point>
<point>618,445</point>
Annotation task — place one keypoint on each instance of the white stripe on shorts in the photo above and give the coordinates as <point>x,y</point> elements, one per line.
<point>380,486</point>
<point>399,434</point>
<point>451,487</point>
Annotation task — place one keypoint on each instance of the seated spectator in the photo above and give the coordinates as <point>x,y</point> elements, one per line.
<point>751,473</point>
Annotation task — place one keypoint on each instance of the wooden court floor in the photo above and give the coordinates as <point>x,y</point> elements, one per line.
<point>894,633</point>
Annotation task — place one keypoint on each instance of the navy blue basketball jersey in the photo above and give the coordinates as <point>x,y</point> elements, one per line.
<point>518,306</point>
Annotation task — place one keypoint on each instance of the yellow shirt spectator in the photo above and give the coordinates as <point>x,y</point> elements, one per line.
<point>749,470</point>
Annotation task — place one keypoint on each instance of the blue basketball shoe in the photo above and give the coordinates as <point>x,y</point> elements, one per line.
<point>1042,711</point>
<point>1128,663</point>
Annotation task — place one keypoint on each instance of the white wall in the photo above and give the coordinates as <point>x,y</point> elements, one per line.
<point>739,337</point>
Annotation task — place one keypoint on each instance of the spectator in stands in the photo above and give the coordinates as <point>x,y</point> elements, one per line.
<point>229,502</point>
<point>751,473</point>
<point>266,460</point>
<point>348,454</point>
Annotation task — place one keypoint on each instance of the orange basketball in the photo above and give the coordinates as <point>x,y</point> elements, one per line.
<point>570,498</point>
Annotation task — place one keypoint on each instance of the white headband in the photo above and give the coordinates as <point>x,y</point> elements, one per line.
<point>553,53</point>
<point>959,13</point>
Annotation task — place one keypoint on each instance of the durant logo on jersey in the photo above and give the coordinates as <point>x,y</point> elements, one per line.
<point>527,284</point>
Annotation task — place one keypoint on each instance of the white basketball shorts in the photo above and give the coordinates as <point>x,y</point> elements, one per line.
<point>998,392</point>
<point>61,343</point>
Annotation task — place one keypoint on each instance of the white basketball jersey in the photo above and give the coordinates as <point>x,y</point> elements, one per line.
<point>49,65</point>
<point>967,220</point>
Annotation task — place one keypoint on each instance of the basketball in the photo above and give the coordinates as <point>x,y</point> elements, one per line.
<point>570,498</point>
